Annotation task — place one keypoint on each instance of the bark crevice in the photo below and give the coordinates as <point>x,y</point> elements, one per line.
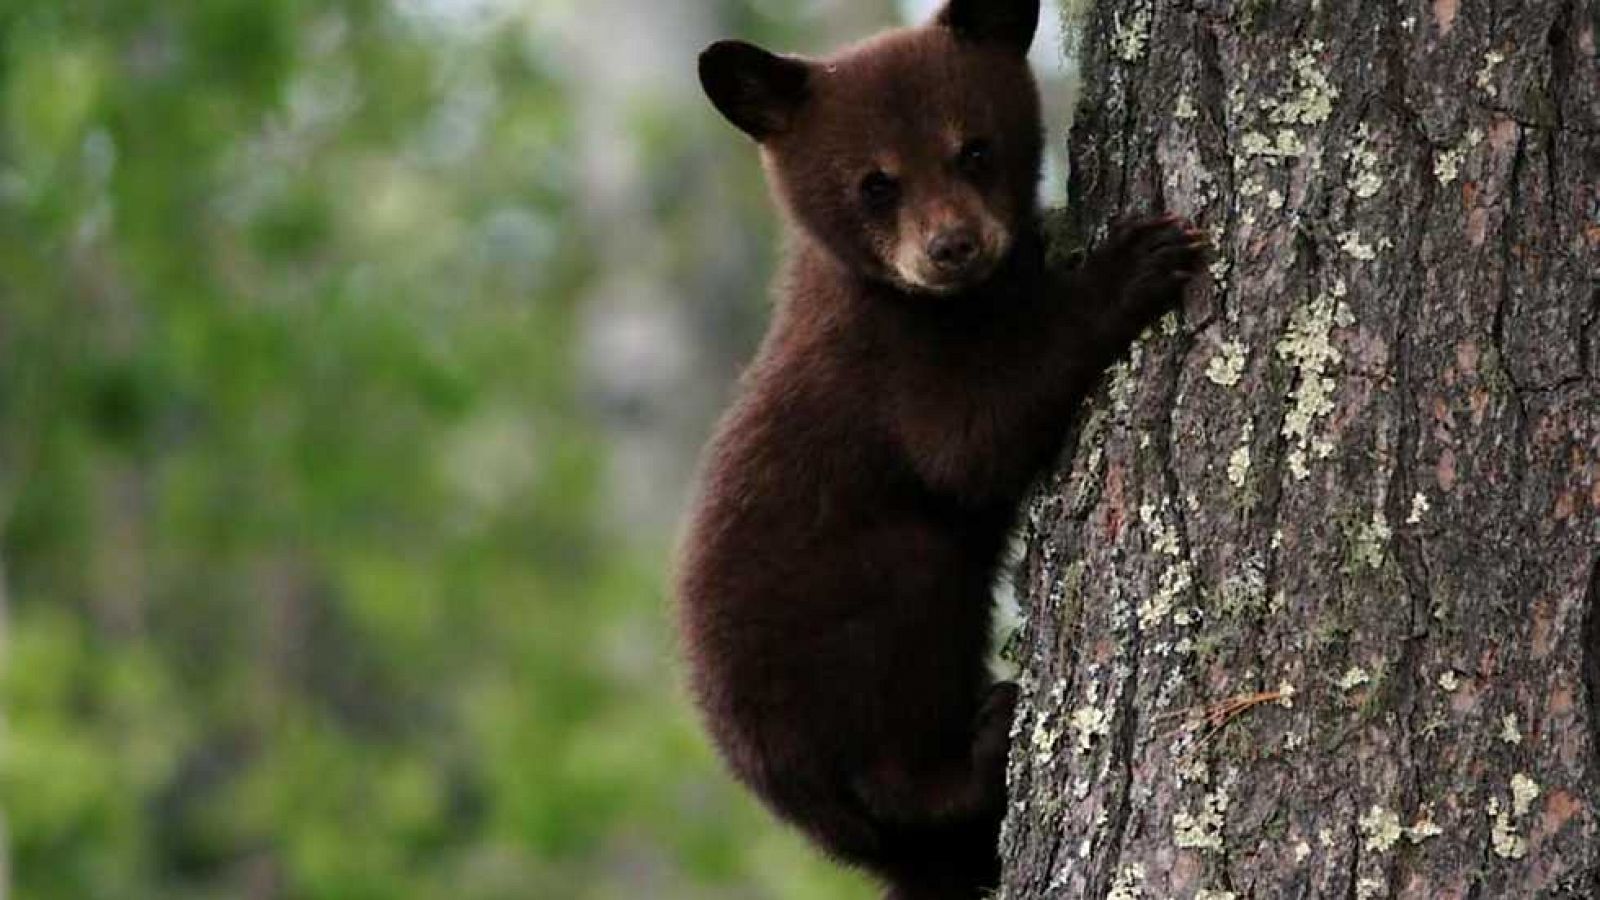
<point>1591,667</point>
<point>1510,219</point>
<point>1122,757</point>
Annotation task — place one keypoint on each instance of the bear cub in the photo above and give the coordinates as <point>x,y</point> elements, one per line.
<point>834,579</point>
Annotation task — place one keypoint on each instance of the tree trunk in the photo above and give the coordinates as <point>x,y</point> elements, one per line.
<point>1313,604</point>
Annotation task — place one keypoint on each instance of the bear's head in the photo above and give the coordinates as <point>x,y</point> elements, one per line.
<point>913,157</point>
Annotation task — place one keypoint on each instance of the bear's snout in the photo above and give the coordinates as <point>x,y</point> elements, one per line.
<point>953,249</point>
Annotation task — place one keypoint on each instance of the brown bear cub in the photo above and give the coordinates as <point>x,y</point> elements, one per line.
<point>834,584</point>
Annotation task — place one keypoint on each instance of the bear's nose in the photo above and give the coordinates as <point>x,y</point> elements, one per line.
<point>953,248</point>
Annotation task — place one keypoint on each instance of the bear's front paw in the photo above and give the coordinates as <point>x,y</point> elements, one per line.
<point>1155,258</point>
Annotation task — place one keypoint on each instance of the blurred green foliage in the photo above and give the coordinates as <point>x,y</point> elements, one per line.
<point>309,590</point>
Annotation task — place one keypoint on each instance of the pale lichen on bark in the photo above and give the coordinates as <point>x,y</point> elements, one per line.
<point>1372,446</point>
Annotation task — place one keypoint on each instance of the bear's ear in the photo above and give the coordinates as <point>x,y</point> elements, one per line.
<point>758,91</point>
<point>1010,23</point>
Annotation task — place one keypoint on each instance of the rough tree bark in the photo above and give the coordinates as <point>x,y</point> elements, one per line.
<point>1311,607</point>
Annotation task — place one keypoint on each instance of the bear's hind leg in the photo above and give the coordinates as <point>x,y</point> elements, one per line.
<point>942,841</point>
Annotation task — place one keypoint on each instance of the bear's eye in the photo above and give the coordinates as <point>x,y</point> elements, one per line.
<point>974,157</point>
<point>879,189</point>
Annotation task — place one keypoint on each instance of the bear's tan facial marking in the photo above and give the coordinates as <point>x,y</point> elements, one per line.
<point>944,247</point>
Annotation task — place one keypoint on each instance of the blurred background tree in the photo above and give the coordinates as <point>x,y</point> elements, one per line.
<point>353,359</point>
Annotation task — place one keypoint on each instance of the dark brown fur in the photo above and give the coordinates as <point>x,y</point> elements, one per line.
<point>834,585</point>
